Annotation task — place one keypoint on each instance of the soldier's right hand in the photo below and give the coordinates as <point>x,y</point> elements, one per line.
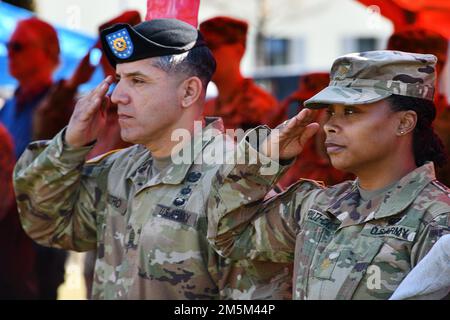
<point>88,116</point>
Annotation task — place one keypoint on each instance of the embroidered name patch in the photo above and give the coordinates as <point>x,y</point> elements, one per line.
<point>175,214</point>
<point>319,218</point>
<point>399,232</point>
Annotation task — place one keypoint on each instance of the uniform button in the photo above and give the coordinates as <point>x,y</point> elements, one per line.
<point>186,191</point>
<point>179,201</point>
<point>194,176</point>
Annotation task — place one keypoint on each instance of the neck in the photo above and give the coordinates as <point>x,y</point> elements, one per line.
<point>229,85</point>
<point>378,175</point>
<point>164,146</point>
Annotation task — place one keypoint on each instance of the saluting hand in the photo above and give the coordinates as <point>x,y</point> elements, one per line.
<point>88,116</point>
<point>290,137</point>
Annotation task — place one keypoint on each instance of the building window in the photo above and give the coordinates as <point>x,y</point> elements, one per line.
<point>366,44</point>
<point>361,44</point>
<point>273,52</point>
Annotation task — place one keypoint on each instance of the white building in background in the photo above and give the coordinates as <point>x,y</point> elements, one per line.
<point>300,35</point>
<point>296,36</point>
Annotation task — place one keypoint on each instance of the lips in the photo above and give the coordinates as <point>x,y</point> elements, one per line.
<point>122,117</point>
<point>333,147</point>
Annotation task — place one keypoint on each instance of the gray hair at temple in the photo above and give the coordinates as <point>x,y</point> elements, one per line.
<point>198,62</point>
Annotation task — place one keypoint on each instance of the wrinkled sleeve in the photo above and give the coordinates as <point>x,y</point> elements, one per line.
<point>240,224</point>
<point>57,194</point>
<point>246,175</point>
<point>264,230</point>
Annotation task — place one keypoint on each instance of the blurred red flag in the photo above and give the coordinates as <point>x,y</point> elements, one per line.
<point>185,10</point>
<point>430,14</point>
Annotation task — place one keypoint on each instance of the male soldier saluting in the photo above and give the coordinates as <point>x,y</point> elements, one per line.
<point>144,212</point>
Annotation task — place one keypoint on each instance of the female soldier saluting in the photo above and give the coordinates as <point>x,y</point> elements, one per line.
<point>358,239</point>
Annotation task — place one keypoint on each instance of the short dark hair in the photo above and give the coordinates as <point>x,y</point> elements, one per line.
<point>198,62</point>
<point>427,145</point>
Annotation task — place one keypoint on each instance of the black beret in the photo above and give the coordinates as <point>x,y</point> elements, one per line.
<point>154,38</point>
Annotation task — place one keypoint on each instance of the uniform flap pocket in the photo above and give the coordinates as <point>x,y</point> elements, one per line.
<point>363,254</point>
<point>176,214</point>
<point>352,259</point>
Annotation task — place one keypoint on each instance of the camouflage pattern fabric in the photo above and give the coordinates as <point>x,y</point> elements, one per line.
<point>149,231</point>
<point>371,76</point>
<point>344,247</point>
<point>250,106</point>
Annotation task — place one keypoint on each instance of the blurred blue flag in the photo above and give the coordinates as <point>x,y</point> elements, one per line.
<point>74,46</point>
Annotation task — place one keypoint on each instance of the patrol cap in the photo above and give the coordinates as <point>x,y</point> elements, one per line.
<point>312,83</point>
<point>371,76</point>
<point>420,40</point>
<point>224,30</point>
<point>153,38</point>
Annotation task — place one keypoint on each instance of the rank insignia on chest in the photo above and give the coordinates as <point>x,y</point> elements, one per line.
<point>120,43</point>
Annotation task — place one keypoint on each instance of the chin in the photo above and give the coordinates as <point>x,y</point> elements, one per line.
<point>340,164</point>
<point>127,137</point>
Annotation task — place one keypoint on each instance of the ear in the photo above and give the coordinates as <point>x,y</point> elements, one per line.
<point>407,123</point>
<point>191,91</point>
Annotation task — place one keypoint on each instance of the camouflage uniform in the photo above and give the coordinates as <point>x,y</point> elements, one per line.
<point>149,229</point>
<point>345,245</point>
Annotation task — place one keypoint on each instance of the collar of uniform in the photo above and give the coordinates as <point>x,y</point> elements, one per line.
<point>400,196</point>
<point>406,190</point>
<point>175,174</point>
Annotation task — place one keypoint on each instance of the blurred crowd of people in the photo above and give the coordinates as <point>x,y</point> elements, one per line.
<point>40,108</point>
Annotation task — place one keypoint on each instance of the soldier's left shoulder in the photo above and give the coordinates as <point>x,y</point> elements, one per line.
<point>435,198</point>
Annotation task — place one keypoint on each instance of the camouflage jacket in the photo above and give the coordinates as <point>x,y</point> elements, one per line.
<point>149,231</point>
<point>344,247</point>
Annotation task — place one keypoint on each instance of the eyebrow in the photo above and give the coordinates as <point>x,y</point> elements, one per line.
<point>133,74</point>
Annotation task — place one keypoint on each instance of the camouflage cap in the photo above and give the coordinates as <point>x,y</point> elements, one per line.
<point>367,77</point>
<point>420,40</point>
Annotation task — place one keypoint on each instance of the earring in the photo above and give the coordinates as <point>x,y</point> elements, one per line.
<point>402,132</point>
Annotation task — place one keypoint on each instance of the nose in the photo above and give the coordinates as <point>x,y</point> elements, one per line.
<point>119,95</point>
<point>332,125</point>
